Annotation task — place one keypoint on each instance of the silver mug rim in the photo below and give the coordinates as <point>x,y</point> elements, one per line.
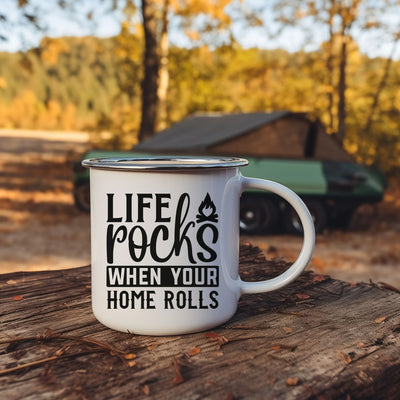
<point>163,163</point>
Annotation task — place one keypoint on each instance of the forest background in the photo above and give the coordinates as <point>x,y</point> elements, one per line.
<point>99,84</point>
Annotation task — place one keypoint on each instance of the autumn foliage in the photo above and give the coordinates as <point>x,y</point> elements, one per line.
<point>90,83</point>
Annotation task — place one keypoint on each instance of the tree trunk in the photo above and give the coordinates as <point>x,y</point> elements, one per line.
<point>342,91</point>
<point>329,67</point>
<point>150,79</point>
<point>348,14</point>
<point>381,86</point>
<point>163,76</point>
<point>53,347</point>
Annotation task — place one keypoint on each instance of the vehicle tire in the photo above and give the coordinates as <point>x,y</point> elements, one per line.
<point>82,196</point>
<point>317,210</point>
<point>341,219</point>
<point>257,215</point>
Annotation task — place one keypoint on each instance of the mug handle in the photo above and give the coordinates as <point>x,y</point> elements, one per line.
<point>308,241</point>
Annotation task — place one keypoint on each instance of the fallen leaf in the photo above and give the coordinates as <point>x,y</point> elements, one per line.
<point>361,344</point>
<point>287,329</point>
<point>131,363</point>
<point>319,278</point>
<point>178,379</point>
<point>317,263</point>
<point>194,351</point>
<point>18,297</point>
<point>212,335</point>
<point>346,358</point>
<point>146,390</point>
<point>292,381</point>
<point>380,320</point>
<point>178,363</point>
<point>302,296</point>
<point>130,356</point>
<point>216,337</point>
<point>277,347</point>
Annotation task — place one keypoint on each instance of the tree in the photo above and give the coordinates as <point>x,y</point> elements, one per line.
<point>163,78</point>
<point>198,18</point>
<point>156,16</point>
<point>348,12</point>
<point>151,66</point>
<point>338,18</point>
<point>381,85</point>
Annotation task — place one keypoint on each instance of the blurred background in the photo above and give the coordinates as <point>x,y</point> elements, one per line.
<point>109,74</point>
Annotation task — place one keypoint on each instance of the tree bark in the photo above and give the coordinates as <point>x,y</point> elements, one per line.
<point>342,91</point>
<point>348,15</point>
<point>329,67</point>
<point>151,66</point>
<point>163,76</point>
<point>317,338</point>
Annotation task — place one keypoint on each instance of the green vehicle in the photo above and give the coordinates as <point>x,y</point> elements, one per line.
<point>290,148</point>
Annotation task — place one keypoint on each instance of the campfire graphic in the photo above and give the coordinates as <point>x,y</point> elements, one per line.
<point>207,211</point>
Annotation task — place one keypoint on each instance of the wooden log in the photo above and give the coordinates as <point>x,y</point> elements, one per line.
<point>318,338</point>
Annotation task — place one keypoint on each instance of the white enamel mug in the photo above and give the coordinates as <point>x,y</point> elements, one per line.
<point>165,242</point>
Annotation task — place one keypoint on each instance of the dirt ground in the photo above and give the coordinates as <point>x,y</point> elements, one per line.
<point>40,228</point>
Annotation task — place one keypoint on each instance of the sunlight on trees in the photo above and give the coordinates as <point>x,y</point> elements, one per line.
<point>97,84</point>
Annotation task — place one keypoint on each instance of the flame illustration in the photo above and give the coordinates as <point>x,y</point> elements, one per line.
<point>207,211</point>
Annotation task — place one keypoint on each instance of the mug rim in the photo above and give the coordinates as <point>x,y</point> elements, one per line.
<point>163,163</point>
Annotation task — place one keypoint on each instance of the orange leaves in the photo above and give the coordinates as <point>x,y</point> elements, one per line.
<point>178,379</point>
<point>212,335</point>
<point>178,363</point>
<point>211,9</point>
<point>3,83</point>
<point>317,263</point>
<point>146,390</point>
<point>181,363</point>
<point>192,35</point>
<point>345,357</point>
<point>131,363</point>
<point>194,351</point>
<point>302,296</point>
<point>292,381</point>
<point>51,48</point>
<point>18,297</point>
<point>319,278</point>
<point>130,359</point>
<point>380,320</point>
<point>221,340</point>
<point>52,115</point>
